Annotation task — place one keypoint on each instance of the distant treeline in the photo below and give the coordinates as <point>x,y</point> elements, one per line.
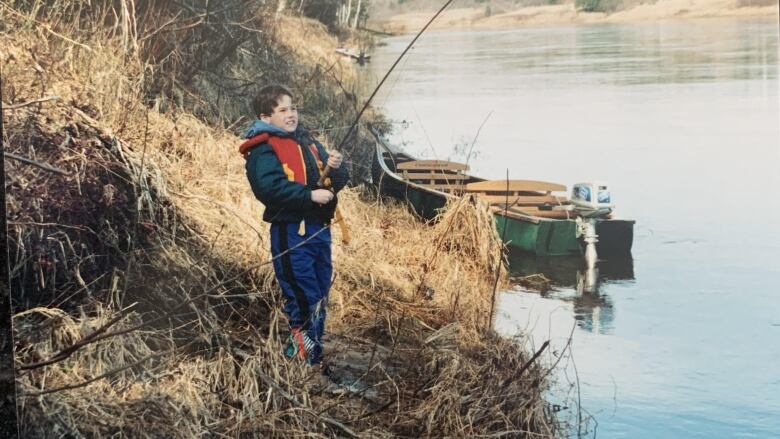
<point>380,9</point>
<point>341,13</point>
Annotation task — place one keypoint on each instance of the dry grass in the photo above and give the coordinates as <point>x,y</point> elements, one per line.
<point>156,210</point>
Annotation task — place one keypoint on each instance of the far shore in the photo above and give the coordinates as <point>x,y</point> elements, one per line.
<point>476,18</point>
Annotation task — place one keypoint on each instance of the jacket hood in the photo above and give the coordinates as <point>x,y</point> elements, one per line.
<point>259,132</point>
<point>260,127</point>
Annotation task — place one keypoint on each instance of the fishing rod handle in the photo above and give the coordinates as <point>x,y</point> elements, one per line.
<point>324,176</point>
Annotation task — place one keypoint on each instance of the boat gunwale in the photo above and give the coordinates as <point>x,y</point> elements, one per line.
<point>397,177</point>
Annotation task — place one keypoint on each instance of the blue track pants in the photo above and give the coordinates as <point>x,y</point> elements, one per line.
<point>304,275</point>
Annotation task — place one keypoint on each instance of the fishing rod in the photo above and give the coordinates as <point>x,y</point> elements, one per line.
<point>362,110</point>
<point>324,181</point>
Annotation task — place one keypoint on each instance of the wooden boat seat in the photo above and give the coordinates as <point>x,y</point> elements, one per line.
<point>433,165</point>
<point>514,187</point>
<point>524,200</point>
<point>440,175</point>
<point>520,193</point>
<point>433,176</point>
<point>535,211</point>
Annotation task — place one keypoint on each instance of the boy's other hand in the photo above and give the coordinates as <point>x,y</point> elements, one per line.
<point>334,159</point>
<point>321,196</point>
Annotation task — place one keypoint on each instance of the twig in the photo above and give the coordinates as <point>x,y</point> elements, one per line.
<point>474,142</point>
<point>32,102</point>
<point>163,26</point>
<point>45,27</point>
<point>44,166</point>
<point>32,223</point>
<point>99,377</point>
<point>501,252</point>
<point>388,404</point>
<point>293,400</point>
<point>579,395</point>
<point>68,351</point>
<point>567,346</point>
<point>422,126</point>
<point>536,355</point>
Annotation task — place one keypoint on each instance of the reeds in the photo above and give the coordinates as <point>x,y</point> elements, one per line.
<point>156,211</point>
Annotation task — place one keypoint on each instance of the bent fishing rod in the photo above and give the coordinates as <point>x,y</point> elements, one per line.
<point>368,102</point>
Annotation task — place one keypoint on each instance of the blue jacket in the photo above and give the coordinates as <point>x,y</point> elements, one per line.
<point>284,200</point>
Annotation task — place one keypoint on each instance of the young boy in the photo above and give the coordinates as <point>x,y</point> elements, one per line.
<point>283,164</point>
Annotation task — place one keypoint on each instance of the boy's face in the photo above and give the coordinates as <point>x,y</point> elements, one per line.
<point>285,115</point>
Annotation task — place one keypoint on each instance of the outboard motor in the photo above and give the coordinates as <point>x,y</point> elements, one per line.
<point>591,201</point>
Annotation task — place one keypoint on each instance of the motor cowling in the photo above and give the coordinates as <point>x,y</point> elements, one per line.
<point>592,199</point>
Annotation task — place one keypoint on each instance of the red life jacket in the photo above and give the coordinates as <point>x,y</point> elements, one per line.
<point>287,151</point>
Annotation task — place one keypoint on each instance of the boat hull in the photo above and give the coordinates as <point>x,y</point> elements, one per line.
<point>553,237</point>
<point>424,203</point>
<point>544,238</point>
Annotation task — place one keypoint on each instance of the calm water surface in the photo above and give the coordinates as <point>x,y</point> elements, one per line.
<point>681,119</point>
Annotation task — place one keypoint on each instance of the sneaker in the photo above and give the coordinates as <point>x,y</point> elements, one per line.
<point>298,344</point>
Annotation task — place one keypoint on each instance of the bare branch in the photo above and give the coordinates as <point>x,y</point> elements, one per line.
<point>293,400</point>
<point>68,351</point>
<point>45,27</point>
<point>32,102</point>
<point>99,377</point>
<point>50,168</point>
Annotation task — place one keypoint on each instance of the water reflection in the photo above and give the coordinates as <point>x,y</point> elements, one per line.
<point>571,281</point>
<point>672,52</point>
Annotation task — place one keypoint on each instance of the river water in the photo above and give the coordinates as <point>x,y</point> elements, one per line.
<point>681,119</point>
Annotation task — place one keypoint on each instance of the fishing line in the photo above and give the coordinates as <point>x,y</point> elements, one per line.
<point>430,144</point>
<point>395,81</point>
<point>362,110</point>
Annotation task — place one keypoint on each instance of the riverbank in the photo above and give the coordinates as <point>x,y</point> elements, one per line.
<point>145,303</point>
<point>567,13</point>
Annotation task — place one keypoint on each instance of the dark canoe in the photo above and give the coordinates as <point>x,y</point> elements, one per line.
<point>541,236</point>
<point>358,55</point>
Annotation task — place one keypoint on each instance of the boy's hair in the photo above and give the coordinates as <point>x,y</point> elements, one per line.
<point>268,98</point>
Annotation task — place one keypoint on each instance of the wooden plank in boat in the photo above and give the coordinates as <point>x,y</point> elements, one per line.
<point>432,176</point>
<point>534,212</point>
<point>433,165</point>
<point>524,199</point>
<point>515,186</point>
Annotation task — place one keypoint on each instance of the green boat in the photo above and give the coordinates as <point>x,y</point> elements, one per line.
<point>530,215</point>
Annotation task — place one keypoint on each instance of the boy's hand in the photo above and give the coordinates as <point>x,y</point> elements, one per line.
<point>321,196</point>
<point>334,159</point>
